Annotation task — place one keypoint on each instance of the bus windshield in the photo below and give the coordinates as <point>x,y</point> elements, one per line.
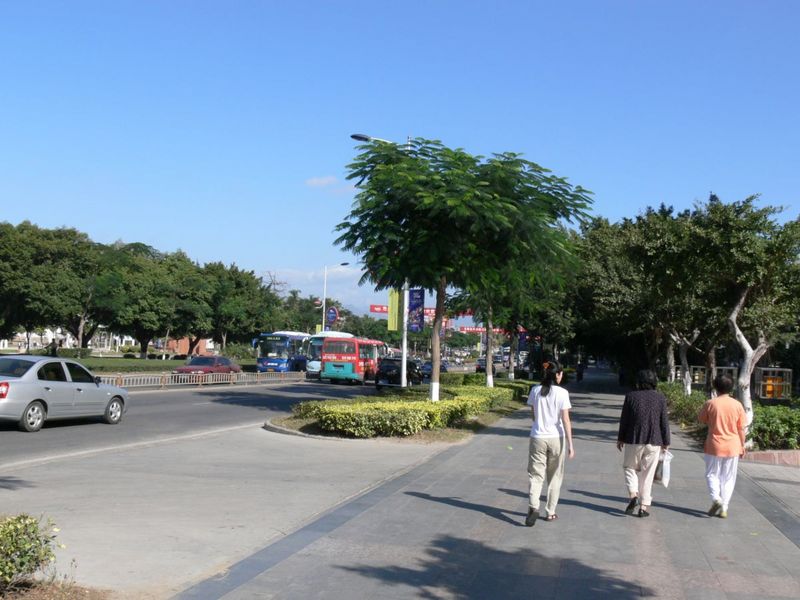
<point>314,350</point>
<point>273,348</point>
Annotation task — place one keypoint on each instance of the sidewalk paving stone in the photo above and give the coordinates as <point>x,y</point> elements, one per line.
<point>454,528</point>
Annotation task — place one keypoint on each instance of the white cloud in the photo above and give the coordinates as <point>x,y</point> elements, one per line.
<point>321,181</point>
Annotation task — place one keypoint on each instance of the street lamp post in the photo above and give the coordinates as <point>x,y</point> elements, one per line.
<point>325,292</point>
<point>361,137</point>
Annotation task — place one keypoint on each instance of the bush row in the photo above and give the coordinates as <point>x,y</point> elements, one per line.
<point>773,427</point>
<point>402,414</point>
<point>26,546</point>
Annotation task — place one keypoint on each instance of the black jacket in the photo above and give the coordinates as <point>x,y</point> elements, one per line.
<point>644,419</point>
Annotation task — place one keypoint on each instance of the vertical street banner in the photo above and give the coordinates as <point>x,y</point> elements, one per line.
<point>394,310</point>
<point>416,310</point>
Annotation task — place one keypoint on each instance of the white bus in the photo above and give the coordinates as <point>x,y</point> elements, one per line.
<point>313,351</point>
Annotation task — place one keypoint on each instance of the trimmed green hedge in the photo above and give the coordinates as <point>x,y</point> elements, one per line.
<point>402,414</point>
<point>682,408</point>
<point>775,428</point>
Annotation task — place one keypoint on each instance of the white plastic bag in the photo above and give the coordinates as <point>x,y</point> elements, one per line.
<point>663,468</point>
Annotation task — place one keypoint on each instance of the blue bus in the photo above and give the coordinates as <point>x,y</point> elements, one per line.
<point>280,351</point>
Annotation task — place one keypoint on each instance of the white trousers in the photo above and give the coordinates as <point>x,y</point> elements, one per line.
<point>721,477</point>
<point>639,462</point>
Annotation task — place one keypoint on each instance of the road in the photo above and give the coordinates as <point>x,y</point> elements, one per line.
<point>162,415</point>
<point>188,484</point>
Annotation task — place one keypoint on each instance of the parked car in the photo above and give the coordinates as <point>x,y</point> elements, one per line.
<point>480,366</point>
<point>35,389</point>
<point>389,372</point>
<point>427,368</point>
<point>199,365</point>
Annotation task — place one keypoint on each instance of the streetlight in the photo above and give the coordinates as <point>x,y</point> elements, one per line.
<point>325,292</point>
<point>361,137</point>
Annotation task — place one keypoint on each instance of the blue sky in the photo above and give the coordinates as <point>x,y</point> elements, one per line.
<point>222,128</point>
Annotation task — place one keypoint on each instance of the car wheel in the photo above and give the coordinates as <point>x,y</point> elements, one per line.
<point>33,417</point>
<point>113,414</point>
<point>377,387</point>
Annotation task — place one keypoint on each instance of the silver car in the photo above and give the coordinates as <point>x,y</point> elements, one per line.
<point>35,389</point>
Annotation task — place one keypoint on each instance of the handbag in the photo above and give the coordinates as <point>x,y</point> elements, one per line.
<point>663,468</point>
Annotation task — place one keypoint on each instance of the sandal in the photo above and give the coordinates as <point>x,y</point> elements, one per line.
<point>552,517</point>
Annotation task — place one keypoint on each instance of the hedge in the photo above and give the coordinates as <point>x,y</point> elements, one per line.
<point>26,546</point>
<point>402,414</point>
<point>773,427</point>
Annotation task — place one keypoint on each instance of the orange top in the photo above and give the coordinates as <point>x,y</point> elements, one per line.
<point>725,418</point>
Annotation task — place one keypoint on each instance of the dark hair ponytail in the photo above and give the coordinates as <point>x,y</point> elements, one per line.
<point>549,371</point>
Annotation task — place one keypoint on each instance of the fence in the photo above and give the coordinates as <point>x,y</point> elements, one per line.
<point>165,380</point>
<point>770,383</point>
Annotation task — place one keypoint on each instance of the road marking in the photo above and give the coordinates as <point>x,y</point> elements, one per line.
<point>35,462</point>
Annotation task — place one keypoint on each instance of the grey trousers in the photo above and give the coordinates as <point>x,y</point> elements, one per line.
<point>546,461</point>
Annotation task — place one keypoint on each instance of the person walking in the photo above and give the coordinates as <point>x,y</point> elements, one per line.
<point>724,444</point>
<point>643,434</point>
<point>550,443</point>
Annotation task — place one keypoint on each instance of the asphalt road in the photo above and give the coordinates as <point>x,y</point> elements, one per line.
<point>165,414</point>
<point>187,485</point>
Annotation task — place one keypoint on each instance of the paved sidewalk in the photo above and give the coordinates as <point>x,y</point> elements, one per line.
<point>453,528</point>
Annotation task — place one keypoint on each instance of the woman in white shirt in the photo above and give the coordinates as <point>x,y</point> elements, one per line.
<point>551,441</point>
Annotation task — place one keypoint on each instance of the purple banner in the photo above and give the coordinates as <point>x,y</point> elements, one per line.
<point>416,310</point>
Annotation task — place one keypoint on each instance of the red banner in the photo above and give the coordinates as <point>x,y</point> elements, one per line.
<point>379,308</point>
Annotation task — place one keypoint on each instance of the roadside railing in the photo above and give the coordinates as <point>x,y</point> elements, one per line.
<point>165,380</point>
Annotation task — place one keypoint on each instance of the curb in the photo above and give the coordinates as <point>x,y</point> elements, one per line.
<point>271,427</point>
<point>786,458</point>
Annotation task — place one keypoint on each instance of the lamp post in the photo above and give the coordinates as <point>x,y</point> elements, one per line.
<point>361,137</point>
<point>325,291</point>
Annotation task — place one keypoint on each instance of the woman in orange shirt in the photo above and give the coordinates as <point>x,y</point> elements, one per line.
<point>724,445</point>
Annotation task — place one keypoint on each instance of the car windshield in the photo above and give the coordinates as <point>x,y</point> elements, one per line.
<point>201,361</point>
<point>14,367</point>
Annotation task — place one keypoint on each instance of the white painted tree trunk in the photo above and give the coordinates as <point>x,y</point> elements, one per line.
<point>436,354</point>
<point>511,352</point>
<point>489,352</point>
<point>751,358</point>
<point>686,376</point>
<point>671,361</point>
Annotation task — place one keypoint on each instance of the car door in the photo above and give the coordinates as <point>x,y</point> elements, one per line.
<point>56,390</point>
<point>88,397</point>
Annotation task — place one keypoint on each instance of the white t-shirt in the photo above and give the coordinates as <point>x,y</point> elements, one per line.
<point>547,411</point>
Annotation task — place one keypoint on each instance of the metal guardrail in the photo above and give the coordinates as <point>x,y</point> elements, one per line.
<point>165,380</point>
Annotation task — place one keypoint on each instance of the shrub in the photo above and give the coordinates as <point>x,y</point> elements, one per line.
<point>75,352</point>
<point>475,379</point>
<point>451,378</point>
<point>682,408</point>
<point>522,388</point>
<point>402,414</point>
<point>775,428</point>
<point>26,546</point>
<point>239,351</point>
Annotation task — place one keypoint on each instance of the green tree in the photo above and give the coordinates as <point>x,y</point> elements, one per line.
<point>438,217</point>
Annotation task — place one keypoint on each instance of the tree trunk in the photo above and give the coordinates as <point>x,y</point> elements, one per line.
<point>671,361</point>
<point>512,351</point>
<point>224,337</point>
<point>144,342</point>
<point>686,375</point>
<point>711,368</point>
<point>193,341</point>
<point>436,355</point>
<point>489,351</point>
<point>750,360</point>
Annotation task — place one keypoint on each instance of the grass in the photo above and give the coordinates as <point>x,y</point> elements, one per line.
<point>48,590</point>
<point>448,435</point>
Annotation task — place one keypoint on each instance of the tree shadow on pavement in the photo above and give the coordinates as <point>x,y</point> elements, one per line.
<point>14,483</point>
<point>453,567</point>
<point>491,511</point>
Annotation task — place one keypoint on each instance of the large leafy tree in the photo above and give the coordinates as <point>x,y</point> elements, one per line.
<point>138,294</point>
<point>756,272</point>
<point>438,217</point>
